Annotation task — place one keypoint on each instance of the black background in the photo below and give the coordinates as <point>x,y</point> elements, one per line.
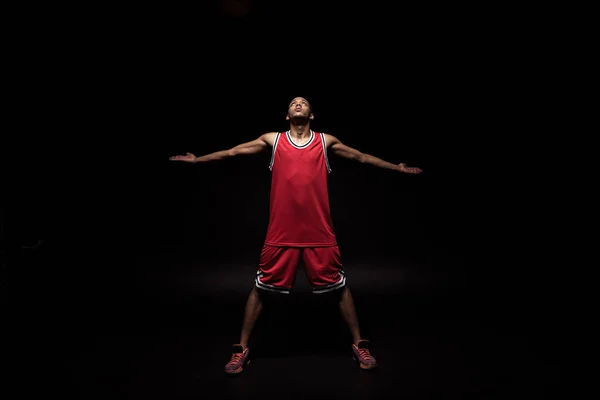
<point>461,93</point>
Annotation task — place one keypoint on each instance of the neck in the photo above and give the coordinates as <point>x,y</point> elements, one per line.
<point>300,130</point>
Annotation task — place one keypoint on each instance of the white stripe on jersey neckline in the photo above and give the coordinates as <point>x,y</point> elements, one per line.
<point>289,137</point>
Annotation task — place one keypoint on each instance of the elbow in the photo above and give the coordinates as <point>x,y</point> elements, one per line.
<point>231,152</point>
<point>362,158</point>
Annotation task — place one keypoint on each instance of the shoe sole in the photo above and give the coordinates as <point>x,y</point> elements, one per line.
<point>365,366</point>
<point>240,369</point>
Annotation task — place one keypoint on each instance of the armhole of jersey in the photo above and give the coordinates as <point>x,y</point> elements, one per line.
<point>325,151</point>
<point>273,152</point>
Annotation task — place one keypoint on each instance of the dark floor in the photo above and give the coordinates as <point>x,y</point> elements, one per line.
<point>165,331</point>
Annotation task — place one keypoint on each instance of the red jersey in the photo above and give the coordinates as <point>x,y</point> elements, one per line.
<point>299,209</point>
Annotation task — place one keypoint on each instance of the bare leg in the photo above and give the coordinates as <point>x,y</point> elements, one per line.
<point>349,314</point>
<point>253,309</point>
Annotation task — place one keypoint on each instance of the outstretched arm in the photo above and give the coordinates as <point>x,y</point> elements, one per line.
<point>340,149</point>
<point>255,146</point>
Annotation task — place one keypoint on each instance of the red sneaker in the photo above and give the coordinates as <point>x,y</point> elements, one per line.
<point>363,355</point>
<point>238,360</point>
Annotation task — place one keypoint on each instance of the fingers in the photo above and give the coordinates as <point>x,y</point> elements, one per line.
<point>179,156</point>
<point>409,170</point>
<point>188,156</point>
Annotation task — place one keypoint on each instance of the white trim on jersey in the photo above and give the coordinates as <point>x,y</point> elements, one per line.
<point>325,151</point>
<point>273,153</point>
<point>312,136</point>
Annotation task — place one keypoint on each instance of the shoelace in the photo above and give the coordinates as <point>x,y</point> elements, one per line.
<point>364,353</point>
<point>236,357</point>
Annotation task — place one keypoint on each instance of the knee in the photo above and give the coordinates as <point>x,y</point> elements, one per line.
<point>269,298</point>
<point>333,297</point>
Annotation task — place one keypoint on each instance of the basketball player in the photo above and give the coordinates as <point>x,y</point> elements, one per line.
<point>300,224</point>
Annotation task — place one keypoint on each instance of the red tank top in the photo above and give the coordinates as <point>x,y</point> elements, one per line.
<point>299,209</point>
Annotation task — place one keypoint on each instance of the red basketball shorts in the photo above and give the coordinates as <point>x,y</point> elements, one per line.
<point>278,265</point>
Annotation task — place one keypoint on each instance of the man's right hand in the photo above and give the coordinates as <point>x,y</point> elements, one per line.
<point>189,157</point>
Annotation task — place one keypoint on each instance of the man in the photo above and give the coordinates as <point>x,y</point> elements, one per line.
<point>300,224</point>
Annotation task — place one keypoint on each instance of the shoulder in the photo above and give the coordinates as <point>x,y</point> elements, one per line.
<point>330,139</point>
<point>269,138</point>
